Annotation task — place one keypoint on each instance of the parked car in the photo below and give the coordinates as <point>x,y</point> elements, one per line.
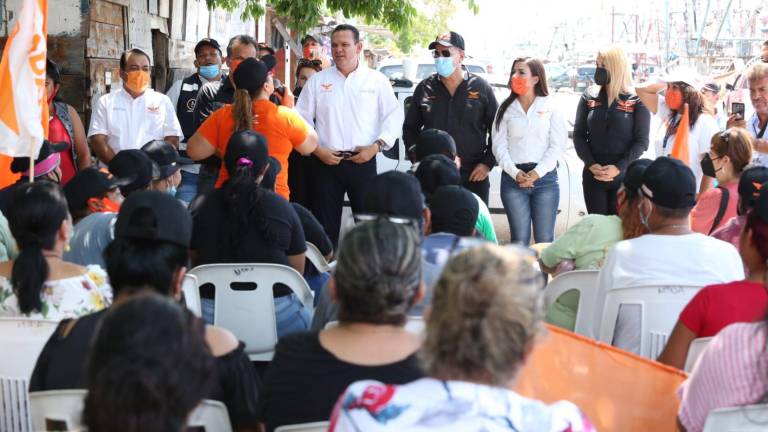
<point>585,77</point>
<point>557,75</point>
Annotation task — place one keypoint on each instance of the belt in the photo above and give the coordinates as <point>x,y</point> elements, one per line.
<point>526,166</point>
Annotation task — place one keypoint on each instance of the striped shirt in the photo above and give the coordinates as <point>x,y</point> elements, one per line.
<point>732,371</point>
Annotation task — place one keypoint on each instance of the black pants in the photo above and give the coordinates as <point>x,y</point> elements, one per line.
<point>599,199</point>
<point>481,188</point>
<point>328,186</point>
<point>298,178</point>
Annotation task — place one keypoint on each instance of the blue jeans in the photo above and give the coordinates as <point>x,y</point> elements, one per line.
<point>188,188</point>
<point>537,205</point>
<point>290,315</point>
<point>316,282</point>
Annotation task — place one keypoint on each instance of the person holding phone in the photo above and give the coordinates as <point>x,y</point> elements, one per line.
<point>312,49</point>
<point>757,77</point>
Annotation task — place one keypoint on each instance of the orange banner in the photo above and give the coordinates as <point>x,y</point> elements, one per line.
<point>680,149</point>
<point>7,178</point>
<point>616,390</point>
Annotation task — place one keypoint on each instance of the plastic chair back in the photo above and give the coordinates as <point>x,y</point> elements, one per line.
<point>210,415</point>
<point>305,427</point>
<point>24,338</point>
<point>694,351</point>
<point>14,405</point>
<point>317,259</point>
<point>191,294</point>
<point>583,281</point>
<point>749,418</point>
<point>660,308</point>
<point>245,304</point>
<point>53,408</point>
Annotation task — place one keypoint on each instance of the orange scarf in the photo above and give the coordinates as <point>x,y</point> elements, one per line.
<point>680,147</point>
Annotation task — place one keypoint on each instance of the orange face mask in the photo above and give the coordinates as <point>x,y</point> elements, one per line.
<point>519,85</point>
<point>233,65</point>
<point>102,205</point>
<point>137,81</point>
<point>674,99</point>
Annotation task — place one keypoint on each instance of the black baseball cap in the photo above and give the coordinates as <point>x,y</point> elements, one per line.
<point>435,171</point>
<point>308,38</point>
<point>135,166</point>
<point>42,165</point>
<point>396,194</point>
<point>252,73</point>
<point>751,183</point>
<point>669,183</point>
<point>454,210</point>
<point>434,141</point>
<point>154,216</point>
<point>165,155</point>
<point>246,148</point>
<point>633,176</point>
<point>90,183</point>
<point>447,40</point>
<point>207,42</point>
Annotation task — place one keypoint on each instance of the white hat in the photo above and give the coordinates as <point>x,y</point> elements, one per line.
<point>685,75</point>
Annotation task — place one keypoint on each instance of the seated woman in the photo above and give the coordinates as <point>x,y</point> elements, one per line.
<point>154,352</point>
<point>485,318</point>
<point>245,223</point>
<point>377,279</point>
<point>39,283</point>
<point>729,154</point>
<point>717,306</point>
<point>586,244</point>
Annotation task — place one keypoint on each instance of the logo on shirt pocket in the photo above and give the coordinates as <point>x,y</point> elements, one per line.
<point>592,103</point>
<point>326,87</point>
<point>153,109</point>
<point>473,95</point>
<point>626,106</point>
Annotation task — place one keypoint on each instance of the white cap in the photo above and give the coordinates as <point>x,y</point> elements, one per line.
<point>685,75</point>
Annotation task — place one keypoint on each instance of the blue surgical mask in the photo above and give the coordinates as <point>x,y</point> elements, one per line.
<point>444,66</point>
<point>171,191</point>
<point>210,72</point>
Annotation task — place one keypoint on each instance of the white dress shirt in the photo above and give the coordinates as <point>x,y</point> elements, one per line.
<point>753,126</point>
<point>539,136</point>
<point>352,111</point>
<point>130,123</point>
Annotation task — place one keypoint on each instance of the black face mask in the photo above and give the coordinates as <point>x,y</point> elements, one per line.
<point>602,77</point>
<point>707,167</point>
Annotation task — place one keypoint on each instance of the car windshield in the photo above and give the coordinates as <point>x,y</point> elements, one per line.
<point>554,70</point>
<point>586,70</point>
<point>393,71</point>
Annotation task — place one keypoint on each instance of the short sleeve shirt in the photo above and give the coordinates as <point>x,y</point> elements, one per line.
<point>283,128</point>
<point>129,122</point>
<point>717,306</point>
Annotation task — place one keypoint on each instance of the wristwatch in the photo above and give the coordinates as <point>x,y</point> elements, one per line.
<point>381,143</point>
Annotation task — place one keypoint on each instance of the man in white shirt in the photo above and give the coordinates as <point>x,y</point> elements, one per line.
<point>355,113</point>
<point>757,77</point>
<point>133,115</point>
<point>183,95</point>
<point>671,254</point>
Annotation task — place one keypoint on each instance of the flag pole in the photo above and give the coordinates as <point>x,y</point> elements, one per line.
<point>32,166</point>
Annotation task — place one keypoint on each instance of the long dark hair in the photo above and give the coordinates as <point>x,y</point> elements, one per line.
<point>34,218</point>
<point>149,366</point>
<point>540,89</point>
<point>242,109</point>
<point>695,102</point>
<point>134,265</point>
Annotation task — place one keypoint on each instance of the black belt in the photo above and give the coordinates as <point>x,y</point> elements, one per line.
<point>526,166</point>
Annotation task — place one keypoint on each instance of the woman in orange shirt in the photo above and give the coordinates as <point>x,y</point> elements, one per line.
<point>283,128</point>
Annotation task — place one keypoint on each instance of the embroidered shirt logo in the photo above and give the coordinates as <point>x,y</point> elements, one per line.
<point>594,103</point>
<point>627,106</point>
<point>473,95</point>
<point>326,87</point>
<point>154,109</point>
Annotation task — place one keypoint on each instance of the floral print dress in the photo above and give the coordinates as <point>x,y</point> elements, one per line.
<point>432,405</point>
<point>62,298</point>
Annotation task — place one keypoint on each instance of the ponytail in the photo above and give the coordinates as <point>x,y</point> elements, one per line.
<point>243,195</point>
<point>34,219</point>
<point>242,110</point>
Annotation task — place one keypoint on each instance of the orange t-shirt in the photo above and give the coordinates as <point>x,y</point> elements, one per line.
<point>283,128</point>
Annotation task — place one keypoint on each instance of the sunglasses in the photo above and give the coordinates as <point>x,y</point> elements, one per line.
<point>439,53</point>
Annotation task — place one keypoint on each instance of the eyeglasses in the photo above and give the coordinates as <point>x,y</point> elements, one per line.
<point>438,53</point>
<point>373,217</point>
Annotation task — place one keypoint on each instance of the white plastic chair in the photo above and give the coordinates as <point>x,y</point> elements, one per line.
<point>64,407</point>
<point>749,418</point>
<point>694,351</point>
<point>660,307</point>
<point>14,405</point>
<point>24,338</point>
<point>317,259</point>
<point>583,281</point>
<point>245,304</point>
<point>191,294</point>
<point>305,427</point>
<point>211,415</point>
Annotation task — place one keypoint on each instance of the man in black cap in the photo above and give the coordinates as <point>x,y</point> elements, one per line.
<point>183,95</point>
<point>433,141</point>
<point>311,49</point>
<point>46,168</point>
<point>169,164</point>
<point>460,103</point>
<point>93,190</point>
<point>670,255</point>
<point>454,212</point>
<point>751,182</point>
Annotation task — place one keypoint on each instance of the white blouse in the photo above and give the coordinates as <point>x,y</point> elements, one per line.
<point>538,136</point>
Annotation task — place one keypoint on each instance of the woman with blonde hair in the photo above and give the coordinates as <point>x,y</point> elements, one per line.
<point>486,316</point>
<point>611,130</point>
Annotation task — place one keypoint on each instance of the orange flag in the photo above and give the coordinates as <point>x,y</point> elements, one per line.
<point>24,107</point>
<point>680,147</point>
<point>616,390</point>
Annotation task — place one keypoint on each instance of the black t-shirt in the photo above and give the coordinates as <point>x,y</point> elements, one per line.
<point>62,365</point>
<point>313,230</point>
<point>304,381</point>
<point>273,234</point>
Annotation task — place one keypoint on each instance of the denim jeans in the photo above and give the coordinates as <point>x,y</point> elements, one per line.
<point>537,205</point>
<point>188,188</point>
<point>290,315</point>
